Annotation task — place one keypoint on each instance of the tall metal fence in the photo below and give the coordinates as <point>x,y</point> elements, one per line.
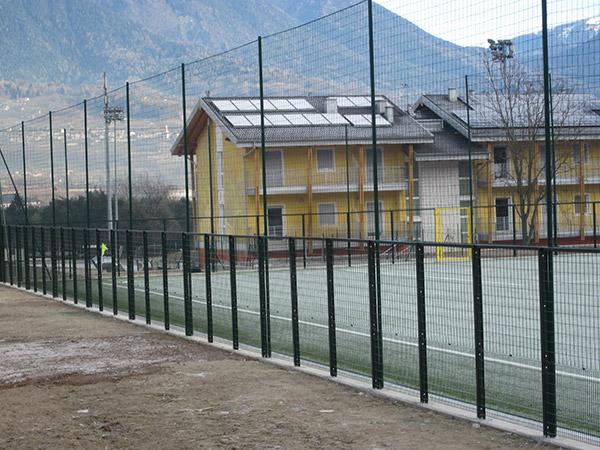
<point>432,175</point>
<point>484,330</point>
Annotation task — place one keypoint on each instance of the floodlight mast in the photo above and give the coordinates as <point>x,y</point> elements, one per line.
<point>501,50</point>
<point>114,115</point>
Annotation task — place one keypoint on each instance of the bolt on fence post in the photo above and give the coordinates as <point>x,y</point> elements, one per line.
<point>43,258</point>
<point>187,295</point>
<point>233,289</point>
<point>87,268</point>
<point>18,255</point>
<point>478,331</point>
<point>421,321</point>
<point>146,278</point>
<point>130,276</point>
<point>74,258</point>
<point>33,260</point>
<point>26,254</point>
<point>294,299</point>
<point>331,309</point>
<point>262,296</point>
<point>63,267</point>
<point>165,274</point>
<point>208,262</point>
<point>99,270</point>
<point>113,271</point>
<point>547,343</point>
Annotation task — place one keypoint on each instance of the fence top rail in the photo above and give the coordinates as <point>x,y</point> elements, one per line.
<point>456,245</point>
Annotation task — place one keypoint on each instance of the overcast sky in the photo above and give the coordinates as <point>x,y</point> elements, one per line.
<point>472,22</point>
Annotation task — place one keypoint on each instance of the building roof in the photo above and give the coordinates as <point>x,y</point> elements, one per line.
<point>576,116</point>
<point>448,144</point>
<point>303,121</point>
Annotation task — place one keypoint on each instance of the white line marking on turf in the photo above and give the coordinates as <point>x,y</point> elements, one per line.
<point>394,341</point>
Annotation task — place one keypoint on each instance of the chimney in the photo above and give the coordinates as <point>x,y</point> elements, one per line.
<point>452,94</point>
<point>389,113</point>
<point>331,105</point>
<point>380,105</point>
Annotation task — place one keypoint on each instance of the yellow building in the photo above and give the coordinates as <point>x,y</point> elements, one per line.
<point>319,166</point>
<point>510,183</point>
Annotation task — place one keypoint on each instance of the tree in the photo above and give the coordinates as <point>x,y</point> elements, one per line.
<point>514,102</point>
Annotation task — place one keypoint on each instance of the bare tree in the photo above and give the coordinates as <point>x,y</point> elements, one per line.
<point>514,102</point>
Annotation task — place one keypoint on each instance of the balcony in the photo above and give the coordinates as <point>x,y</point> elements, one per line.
<point>295,181</point>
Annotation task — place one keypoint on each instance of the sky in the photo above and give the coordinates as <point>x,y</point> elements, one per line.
<point>472,22</point>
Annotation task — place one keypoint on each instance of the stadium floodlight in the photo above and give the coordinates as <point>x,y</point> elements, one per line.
<point>501,50</point>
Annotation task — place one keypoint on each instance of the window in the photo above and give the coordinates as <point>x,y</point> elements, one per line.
<point>577,204</point>
<point>500,162</point>
<point>327,214</point>
<point>502,217</point>
<point>577,152</point>
<point>325,160</point>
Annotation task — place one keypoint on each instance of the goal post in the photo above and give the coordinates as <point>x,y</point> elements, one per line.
<point>452,225</point>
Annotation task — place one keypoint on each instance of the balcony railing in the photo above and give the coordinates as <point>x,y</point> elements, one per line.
<point>296,181</point>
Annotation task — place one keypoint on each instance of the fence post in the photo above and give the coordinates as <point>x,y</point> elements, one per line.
<point>208,260</point>
<point>26,254</point>
<point>42,257</point>
<point>2,253</point>
<point>233,288</point>
<point>376,363</point>
<point>594,224</point>
<point>478,330</point>
<point>294,295</point>
<point>514,228</point>
<point>18,255</point>
<point>113,271</point>
<point>54,262</point>
<point>130,276</point>
<point>9,247</point>
<point>185,151</point>
<point>349,234</point>
<point>99,270</point>
<point>421,321</point>
<point>130,189</point>
<point>63,265</point>
<point>74,258</point>
<point>187,295</point>
<point>303,241</point>
<point>86,266</point>
<point>262,296</point>
<point>547,343</point>
<point>165,274</point>
<point>24,172</point>
<point>392,236</point>
<point>146,278</point>
<point>331,309</point>
<point>33,260</point>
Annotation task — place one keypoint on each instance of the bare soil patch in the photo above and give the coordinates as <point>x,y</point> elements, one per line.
<point>72,379</point>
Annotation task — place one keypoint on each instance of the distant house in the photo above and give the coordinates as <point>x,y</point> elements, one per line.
<point>577,143</point>
<point>319,168</point>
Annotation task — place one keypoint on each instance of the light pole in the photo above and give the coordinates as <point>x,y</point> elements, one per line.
<point>114,115</point>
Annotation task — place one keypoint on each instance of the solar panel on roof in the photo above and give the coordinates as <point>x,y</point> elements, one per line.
<point>301,104</point>
<point>224,105</point>
<point>244,105</point>
<point>268,105</point>
<point>277,119</point>
<point>238,120</point>
<point>317,119</point>
<point>254,119</point>
<point>336,119</point>
<point>358,120</point>
<point>380,121</point>
<point>282,104</point>
<point>361,102</point>
<point>297,119</point>
<point>344,102</point>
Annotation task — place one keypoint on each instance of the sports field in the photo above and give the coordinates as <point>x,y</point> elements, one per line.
<point>511,309</point>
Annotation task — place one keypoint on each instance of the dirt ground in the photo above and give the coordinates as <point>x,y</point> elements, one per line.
<point>72,379</point>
